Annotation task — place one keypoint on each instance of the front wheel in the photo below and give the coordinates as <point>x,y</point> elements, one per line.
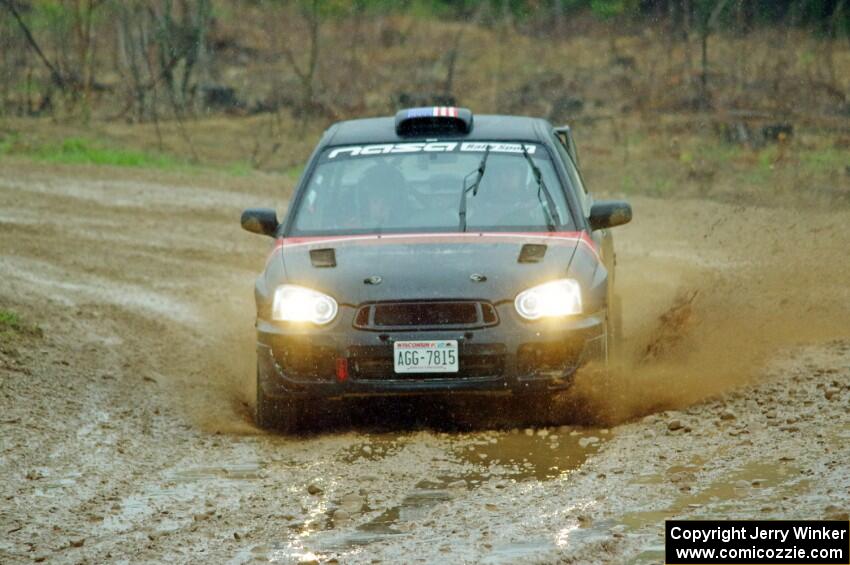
<point>286,414</point>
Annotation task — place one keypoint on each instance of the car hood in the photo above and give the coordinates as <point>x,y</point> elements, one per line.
<point>431,266</point>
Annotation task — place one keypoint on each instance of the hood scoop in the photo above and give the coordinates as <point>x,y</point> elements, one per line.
<point>323,258</point>
<point>531,253</point>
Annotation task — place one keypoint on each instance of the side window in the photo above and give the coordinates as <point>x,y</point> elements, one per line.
<point>575,177</point>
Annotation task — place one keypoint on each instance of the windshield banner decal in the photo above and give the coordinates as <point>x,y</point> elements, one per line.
<point>430,147</point>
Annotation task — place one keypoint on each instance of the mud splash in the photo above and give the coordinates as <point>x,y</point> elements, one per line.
<point>700,323</point>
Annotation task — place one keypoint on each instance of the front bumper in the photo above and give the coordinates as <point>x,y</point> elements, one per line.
<point>508,358</point>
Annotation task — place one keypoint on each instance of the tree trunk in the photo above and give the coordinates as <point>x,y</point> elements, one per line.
<point>704,101</point>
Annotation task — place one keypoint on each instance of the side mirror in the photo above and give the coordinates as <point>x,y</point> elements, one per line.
<point>609,213</point>
<point>260,220</point>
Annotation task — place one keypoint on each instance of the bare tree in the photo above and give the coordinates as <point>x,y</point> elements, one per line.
<point>704,16</point>
<point>55,73</point>
<point>306,70</point>
<point>83,14</point>
<point>180,34</point>
<point>72,70</point>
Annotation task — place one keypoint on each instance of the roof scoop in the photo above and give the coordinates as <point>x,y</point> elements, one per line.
<point>323,258</point>
<point>531,253</point>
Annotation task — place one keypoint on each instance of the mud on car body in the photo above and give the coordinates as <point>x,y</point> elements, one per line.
<point>433,253</point>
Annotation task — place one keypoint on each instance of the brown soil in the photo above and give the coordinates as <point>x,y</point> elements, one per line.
<point>126,431</point>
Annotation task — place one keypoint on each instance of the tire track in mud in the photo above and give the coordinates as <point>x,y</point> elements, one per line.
<point>133,428</point>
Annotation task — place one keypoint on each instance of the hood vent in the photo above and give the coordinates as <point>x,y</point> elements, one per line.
<point>532,253</point>
<point>322,258</point>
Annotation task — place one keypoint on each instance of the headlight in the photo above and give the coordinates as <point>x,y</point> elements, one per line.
<point>298,304</point>
<point>550,300</point>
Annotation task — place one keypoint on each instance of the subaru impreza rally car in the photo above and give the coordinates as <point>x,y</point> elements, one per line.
<point>435,252</point>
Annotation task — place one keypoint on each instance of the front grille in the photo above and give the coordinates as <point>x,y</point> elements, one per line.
<point>376,363</point>
<point>387,316</point>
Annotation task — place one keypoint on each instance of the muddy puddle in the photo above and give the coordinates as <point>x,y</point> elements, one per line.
<point>762,484</point>
<point>348,522</point>
<point>765,481</point>
<point>540,454</point>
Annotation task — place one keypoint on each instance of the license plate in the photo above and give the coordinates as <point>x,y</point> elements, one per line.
<point>425,356</point>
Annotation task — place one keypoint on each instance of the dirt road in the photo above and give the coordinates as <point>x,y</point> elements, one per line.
<point>126,433</point>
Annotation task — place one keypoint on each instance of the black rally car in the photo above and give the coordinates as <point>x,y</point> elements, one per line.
<point>436,252</point>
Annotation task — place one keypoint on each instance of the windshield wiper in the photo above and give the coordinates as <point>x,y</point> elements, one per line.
<point>479,172</point>
<point>549,208</point>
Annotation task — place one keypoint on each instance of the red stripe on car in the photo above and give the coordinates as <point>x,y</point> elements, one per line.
<point>471,237</point>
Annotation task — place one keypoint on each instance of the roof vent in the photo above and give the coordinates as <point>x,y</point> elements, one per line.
<point>433,120</point>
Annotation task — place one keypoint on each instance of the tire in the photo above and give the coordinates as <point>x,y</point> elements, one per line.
<point>284,414</point>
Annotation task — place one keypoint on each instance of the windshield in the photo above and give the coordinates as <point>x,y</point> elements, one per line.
<point>417,187</point>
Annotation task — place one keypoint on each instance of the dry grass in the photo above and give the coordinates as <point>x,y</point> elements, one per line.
<point>364,66</point>
<point>637,130</point>
<point>665,156</point>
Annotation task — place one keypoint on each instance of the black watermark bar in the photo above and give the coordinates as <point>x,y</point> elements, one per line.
<point>763,542</point>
